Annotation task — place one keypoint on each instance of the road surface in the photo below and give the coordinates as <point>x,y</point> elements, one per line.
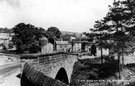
<point>8,75</point>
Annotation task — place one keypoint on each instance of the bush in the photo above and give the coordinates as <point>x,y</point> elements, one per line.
<point>21,49</point>
<point>92,69</point>
<point>5,47</point>
<point>34,48</point>
<point>10,45</point>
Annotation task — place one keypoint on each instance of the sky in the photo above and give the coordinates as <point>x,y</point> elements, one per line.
<point>67,15</point>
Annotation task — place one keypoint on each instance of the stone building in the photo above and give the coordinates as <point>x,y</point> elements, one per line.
<point>46,47</point>
<point>63,45</point>
<point>77,46</point>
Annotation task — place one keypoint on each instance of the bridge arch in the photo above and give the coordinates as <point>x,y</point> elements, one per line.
<point>25,81</point>
<point>62,75</point>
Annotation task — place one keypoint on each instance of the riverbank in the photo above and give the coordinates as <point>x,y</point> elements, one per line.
<point>90,72</point>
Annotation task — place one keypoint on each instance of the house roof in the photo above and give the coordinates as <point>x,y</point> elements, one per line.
<point>4,35</point>
<point>43,38</point>
<point>62,42</point>
<point>81,42</point>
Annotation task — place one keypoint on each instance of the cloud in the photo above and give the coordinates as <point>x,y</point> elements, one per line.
<point>65,14</point>
<point>12,3</point>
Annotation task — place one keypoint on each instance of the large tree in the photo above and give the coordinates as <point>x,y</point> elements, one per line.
<point>119,23</point>
<point>27,37</point>
<point>100,36</point>
<point>53,34</point>
<point>121,19</point>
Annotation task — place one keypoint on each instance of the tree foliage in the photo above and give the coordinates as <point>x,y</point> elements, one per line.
<point>27,37</point>
<point>101,35</point>
<point>53,34</point>
<point>121,17</point>
<point>117,27</point>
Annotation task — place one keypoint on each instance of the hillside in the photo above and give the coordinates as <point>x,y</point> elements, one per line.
<point>71,33</point>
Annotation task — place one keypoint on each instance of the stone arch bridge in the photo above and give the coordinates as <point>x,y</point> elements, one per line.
<point>54,69</point>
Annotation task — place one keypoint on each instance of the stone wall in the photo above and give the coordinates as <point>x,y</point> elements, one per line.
<point>105,83</point>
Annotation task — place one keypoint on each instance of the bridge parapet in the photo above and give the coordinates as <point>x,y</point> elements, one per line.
<point>49,64</point>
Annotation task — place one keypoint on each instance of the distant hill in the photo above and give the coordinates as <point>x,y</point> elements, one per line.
<point>5,30</point>
<point>71,33</point>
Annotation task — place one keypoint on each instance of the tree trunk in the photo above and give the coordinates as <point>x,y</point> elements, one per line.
<point>119,64</point>
<point>101,49</point>
<point>109,51</point>
<point>101,55</point>
<point>122,56</point>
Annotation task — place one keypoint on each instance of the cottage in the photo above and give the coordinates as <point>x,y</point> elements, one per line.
<point>63,45</point>
<point>48,48</point>
<point>77,47</point>
<point>45,46</point>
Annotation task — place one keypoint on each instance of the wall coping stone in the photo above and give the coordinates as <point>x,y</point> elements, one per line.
<point>36,55</point>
